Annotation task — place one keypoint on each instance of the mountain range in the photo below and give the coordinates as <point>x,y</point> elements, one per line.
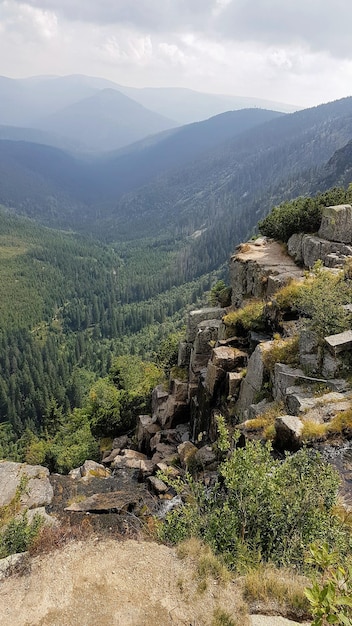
<point>87,114</point>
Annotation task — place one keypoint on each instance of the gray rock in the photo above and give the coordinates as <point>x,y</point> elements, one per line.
<point>254,410</point>
<point>310,363</point>
<point>121,442</point>
<point>339,342</point>
<point>285,377</point>
<point>253,381</point>
<point>330,366</point>
<point>11,563</point>
<point>288,432</point>
<point>198,316</point>
<point>184,354</point>
<point>294,247</point>
<point>157,485</point>
<point>308,342</point>
<point>205,456</point>
<point>336,223</point>
<point>38,491</point>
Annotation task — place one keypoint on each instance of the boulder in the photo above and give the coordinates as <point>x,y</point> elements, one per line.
<point>109,456</point>
<point>121,442</point>
<point>37,490</point>
<point>187,452</point>
<point>308,342</point>
<point>288,430</point>
<point>285,376</point>
<point>330,366</point>
<point>112,502</point>
<point>198,316</point>
<point>294,247</point>
<point>145,430</point>
<point>157,485</point>
<point>258,409</point>
<point>11,563</point>
<point>253,381</point>
<point>339,342</point>
<point>91,469</point>
<point>336,223</point>
<point>179,390</point>
<point>205,456</point>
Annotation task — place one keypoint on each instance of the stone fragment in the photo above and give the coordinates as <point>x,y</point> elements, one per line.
<point>198,316</point>
<point>339,342</point>
<point>308,342</point>
<point>336,223</point>
<point>37,490</point>
<point>134,454</point>
<point>288,430</point>
<point>91,469</point>
<point>157,485</point>
<point>121,442</point>
<point>169,470</point>
<point>109,456</point>
<point>205,456</point>
<point>186,453</point>
<point>179,390</point>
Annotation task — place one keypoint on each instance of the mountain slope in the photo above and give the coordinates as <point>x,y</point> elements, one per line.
<point>105,121</point>
<point>33,175</point>
<point>187,105</point>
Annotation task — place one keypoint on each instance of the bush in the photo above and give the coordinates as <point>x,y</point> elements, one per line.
<point>266,509</point>
<point>19,534</point>
<point>302,215</point>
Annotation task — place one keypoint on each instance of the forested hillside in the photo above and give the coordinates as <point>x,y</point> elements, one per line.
<point>67,307</point>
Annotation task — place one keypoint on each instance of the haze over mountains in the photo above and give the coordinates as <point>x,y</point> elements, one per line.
<point>114,116</point>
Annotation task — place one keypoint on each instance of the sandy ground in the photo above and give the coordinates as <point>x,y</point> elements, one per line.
<point>105,583</point>
<point>125,583</point>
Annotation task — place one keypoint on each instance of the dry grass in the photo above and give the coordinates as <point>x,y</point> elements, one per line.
<point>341,424</point>
<point>281,589</point>
<point>249,317</point>
<point>313,431</point>
<point>288,296</point>
<point>55,537</point>
<point>266,420</point>
<point>208,565</point>
<point>282,351</point>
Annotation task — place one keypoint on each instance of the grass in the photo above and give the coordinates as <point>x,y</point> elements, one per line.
<point>341,424</point>
<point>55,537</point>
<point>282,588</point>
<point>266,420</point>
<point>208,565</point>
<point>282,351</point>
<point>250,317</point>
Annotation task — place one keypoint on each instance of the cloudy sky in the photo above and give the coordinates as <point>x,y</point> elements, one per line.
<point>295,51</point>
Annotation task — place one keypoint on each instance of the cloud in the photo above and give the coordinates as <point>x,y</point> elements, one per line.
<point>315,24</point>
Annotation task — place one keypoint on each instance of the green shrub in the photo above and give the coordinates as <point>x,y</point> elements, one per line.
<point>266,509</point>
<point>19,534</point>
<point>301,215</point>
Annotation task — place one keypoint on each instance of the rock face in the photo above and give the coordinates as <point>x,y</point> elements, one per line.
<point>258,270</point>
<point>37,490</point>
<point>336,223</point>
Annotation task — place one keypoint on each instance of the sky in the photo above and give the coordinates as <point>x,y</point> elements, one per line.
<point>298,52</point>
